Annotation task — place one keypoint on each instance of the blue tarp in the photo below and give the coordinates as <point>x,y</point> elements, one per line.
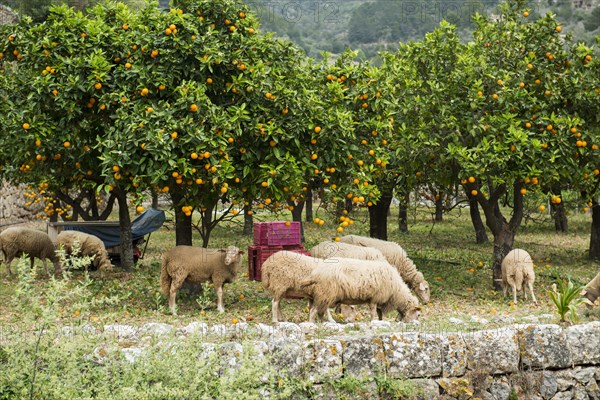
<point>147,222</point>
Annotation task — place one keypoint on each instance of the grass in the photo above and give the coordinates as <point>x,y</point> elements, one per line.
<point>458,270</point>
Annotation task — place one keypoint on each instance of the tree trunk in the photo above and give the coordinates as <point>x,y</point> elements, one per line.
<point>480,233</point>
<point>560,217</point>
<point>154,199</point>
<point>403,215</point>
<point>439,208</point>
<point>594,252</point>
<point>297,215</point>
<point>126,244</point>
<point>309,205</point>
<point>503,243</point>
<point>378,216</point>
<point>183,223</point>
<point>504,231</point>
<point>248,222</point>
<point>207,225</point>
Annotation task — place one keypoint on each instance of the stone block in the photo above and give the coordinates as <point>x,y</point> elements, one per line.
<point>583,342</point>
<point>495,349</point>
<point>543,346</point>
<point>412,354</point>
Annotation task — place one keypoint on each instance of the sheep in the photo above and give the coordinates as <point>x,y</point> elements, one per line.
<point>346,250</point>
<point>89,245</point>
<point>197,265</point>
<point>592,290</point>
<point>16,241</point>
<point>517,272</point>
<point>399,259</point>
<point>281,274</point>
<point>351,281</point>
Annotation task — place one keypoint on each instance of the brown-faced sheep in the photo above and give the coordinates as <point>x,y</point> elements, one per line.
<point>197,265</point>
<point>89,246</point>
<point>282,274</point>
<point>518,273</point>
<point>592,290</point>
<point>396,256</point>
<point>16,241</point>
<point>346,250</point>
<point>351,281</point>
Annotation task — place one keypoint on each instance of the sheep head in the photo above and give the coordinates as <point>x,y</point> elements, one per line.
<point>422,291</point>
<point>233,255</point>
<point>411,314</point>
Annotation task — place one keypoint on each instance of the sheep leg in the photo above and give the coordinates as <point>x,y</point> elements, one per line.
<point>176,284</point>
<point>275,311</point>
<point>531,290</point>
<point>219,291</point>
<point>514,288</point>
<point>312,315</point>
<point>329,317</point>
<point>373,311</point>
<point>45,265</point>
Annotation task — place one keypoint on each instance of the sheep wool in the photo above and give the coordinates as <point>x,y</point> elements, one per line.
<point>282,274</point>
<point>351,281</point>
<point>346,250</point>
<point>197,265</point>
<point>16,241</point>
<point>89,246</point>
<point>518,273</point>
<point>592,290</point>
<point>396,256</point>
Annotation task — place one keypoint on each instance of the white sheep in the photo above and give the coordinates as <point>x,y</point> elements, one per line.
<point>346,250</point>
<point>89,246</point>
<point>396,256</point>
<point>351,281</point>
<point>592,290</point>
<point>197,265</point>
<point>518,273</point>
<point>281,275</point>
<point>16,241</point>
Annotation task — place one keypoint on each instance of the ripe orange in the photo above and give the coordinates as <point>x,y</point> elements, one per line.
<point>529,66</point>
<point>139,209</point>
<point>116,168</point>
<point>194,156</point>
<point>127,65</point>
<point>206,154</point>
<point>542,207</point>
<point>209,81</point>
<point>596,172</point>
<point>360,163</point>
<point>264,184</point>
<point>523,191</point>
<point>525,14</point>
<point>144,92</point>
<point>314,157</point>
<point>67,144</point>
<point>317,129</point>
<point>26,126</point>
<point>98,85</point>
<point>471,179</point>
<point>558,29</point>
<point>168,31</point>
<point>193,108</point>
<point>174,135</point>
<point>474,192</point>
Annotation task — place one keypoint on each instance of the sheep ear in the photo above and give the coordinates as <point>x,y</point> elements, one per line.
<point>222,251</point>
<point>422,286</point>
<point>583,292</point>
<point>241,252</point>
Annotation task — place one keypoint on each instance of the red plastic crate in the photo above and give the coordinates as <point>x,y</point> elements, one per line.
<point>257,255</point>
<point>277,233</point>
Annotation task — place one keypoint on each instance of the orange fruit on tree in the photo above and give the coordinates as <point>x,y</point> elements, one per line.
<point>209,81</point>
<point>471,179</point>
<point>193,108</point>
<point>317,129</point>
<point>67,144</point>
<point>523,191</point>
<point>139,209</point>
<point>264,184</point>
<point>98,85</point>
<point>542,207</point>
<point>474,192</point>
<point>194,156</point>
<point>26,126</point>
<point>558,29</point>
<point>144,92</point>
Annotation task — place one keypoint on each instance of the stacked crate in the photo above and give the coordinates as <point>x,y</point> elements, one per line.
<point>269,238</point>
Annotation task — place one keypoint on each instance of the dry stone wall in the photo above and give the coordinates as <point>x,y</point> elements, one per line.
<point>533,361</point>
<point>13,205</point>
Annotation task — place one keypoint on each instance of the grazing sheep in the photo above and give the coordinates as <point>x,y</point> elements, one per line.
<point>399,259</point>
<point>89,246</point>
<point>346,250</point>
<point>197,265</point>
<point>16,241</point>
<point>351,281</point>
<point>282,274</point>
<point>517,272</point>
<point>592,290</point>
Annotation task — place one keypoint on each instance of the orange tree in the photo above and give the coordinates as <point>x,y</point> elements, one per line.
<point>49,122</point>
<point>522,136</point>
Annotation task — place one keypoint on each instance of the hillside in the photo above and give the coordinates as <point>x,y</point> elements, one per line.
<point>377,25</point>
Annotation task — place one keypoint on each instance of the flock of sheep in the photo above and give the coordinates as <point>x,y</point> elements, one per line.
<point>356,270</point>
